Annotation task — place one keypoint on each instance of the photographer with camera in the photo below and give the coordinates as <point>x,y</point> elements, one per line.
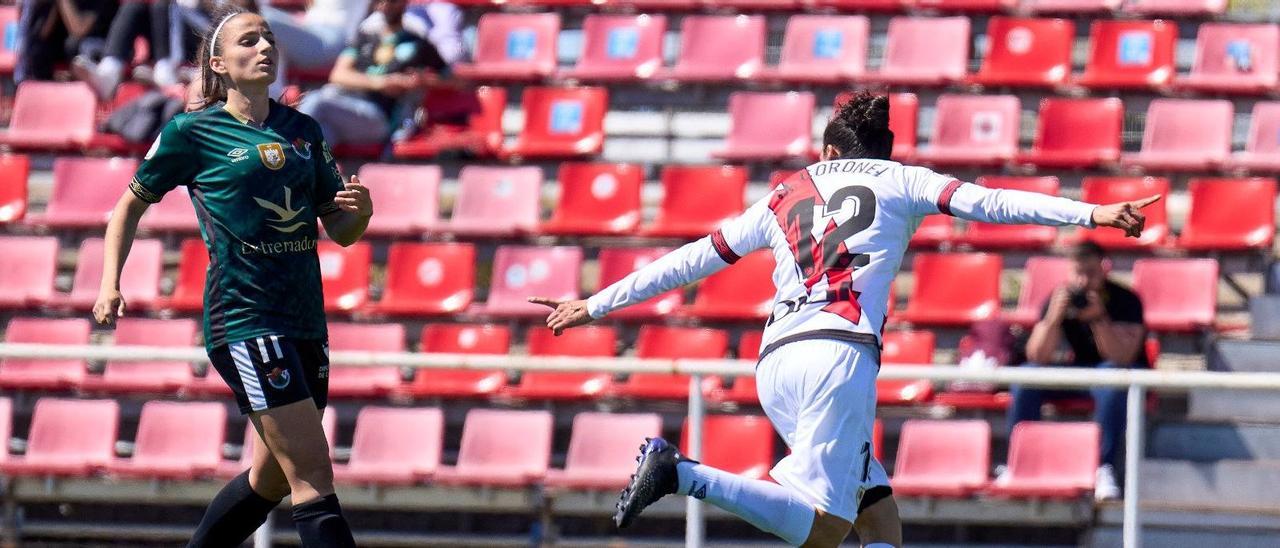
<point>1101,323</point>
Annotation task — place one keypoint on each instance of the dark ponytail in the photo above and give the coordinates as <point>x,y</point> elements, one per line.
<point>860,127</point>
<point>212,88</point>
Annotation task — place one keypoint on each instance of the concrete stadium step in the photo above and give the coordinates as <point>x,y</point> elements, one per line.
<point>1202,442</point>
<point>1222,486</point>
<point>1170,537</point>
<point>1242,355</point>
<point>1210,404</point>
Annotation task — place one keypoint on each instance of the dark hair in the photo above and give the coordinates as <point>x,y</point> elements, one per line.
<point>1087,250</point>
<point>212,88</point>
<point>860,127</point>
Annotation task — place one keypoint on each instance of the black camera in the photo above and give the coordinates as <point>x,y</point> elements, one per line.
<point>1078,300</point>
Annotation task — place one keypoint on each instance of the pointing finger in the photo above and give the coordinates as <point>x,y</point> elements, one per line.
<point>1145,201</point>
<point>545,302</point>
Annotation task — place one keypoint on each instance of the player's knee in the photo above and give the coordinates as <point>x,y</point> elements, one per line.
<point>828,531</point>
<point>270,485</point>
<point>879,523</point>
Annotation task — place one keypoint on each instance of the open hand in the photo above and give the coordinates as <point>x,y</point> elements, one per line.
<point>354,197</point>
<point>1126,216</point>
<point>565,314</point>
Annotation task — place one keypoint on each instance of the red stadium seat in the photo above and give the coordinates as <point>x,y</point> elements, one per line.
<point>907,348</point>
<point>345,273</point>
<point>979,130</point>
<point>139,282</point>
<point>662,5</point>
<point>1050,460</point>
<point>496,201</point>
<point>1177,294</point>
<point>6,426</point>
<point>393,446</point>
<point>1041,277</point>
<point>175,441</point>
<point>617,262</point>
<point>903,112</point>
<point>561,123</point>
<point>461,339</point>
<point>1230,215</point>
<point>14,169</point>
<point>742,390</point>
<point>148,377</point>
<point>666,342</point>
<point>861,5</point>
<point>28,265</point>
<point>1106,190</point>
<point>347,381</point>
<point>55,116</point>
<point>520,272</point>
<point>1130,54</point>
<point>1027,52</point>
<point>743,291</point>
<point>925,51</point>
<point>1262,150</point>
<point>933,232</point>
<point>1233,58</point>
<point>21,373</point>
<point>954,289</point>
<point>428,279</point>
<point>481,136</point>
<point>8,39</point>
<point>85,190</point>
<point>942,458</point>
<point>984,6</point>
<point>583,342</point>
<point>620,47</point>
<point>737,444</point>
<point>823,49</point>
<point>1076,133</point>
<point>501,448</point>
<point>1071,6</point>
<point>513,46</point>
<point>408,198</point>
<point>1184,135</point>
<point>753,4</point>
<point>188,290</point>
<point>174,213</point>
<point>769,126</point>
<point>597,199</point>
<point>601,448</point>
<point>992,235</point>
<point>1183,8</point>
<point>698,199</point>
<point>71,438</point>
<point>749,345</point>
<point>720,48</point>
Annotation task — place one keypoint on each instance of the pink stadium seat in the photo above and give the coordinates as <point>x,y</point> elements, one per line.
<point>148,377</point>
<point>14,169</point>
<point>583,342</point>
<point>346,381</point>
<point>175,441</point>
<point>1027,52</point>
<point>496,201</point>
<point>1262,149</point>
<point>520,272</point>
<point>1230,215</point>
<point>393,446</point>
<point>28,265</point>
<point>954,289</point>
<point>561,123</point>
<point>1076,133</point>
<point>985,6</point>
<point>1181,8</point>
<point>823,49</point>
<point>85,190</point>
<point>408,202</point>
<point>1130,54</point>
<point>601,449</point>
<point>27,374</point>
<point>345,273</point>
<point>1106,190</point>
<point>925,51</point>
<point>1071,6</point>
<point>597,199</point>
<point>991,235</point>
<point>973,130</point>
<point>666,342</point>
<point>753,4</point>
<point>174,213</point>
<point>428,279</point>
<point>1185,135</point>
<point>737,444</point>
<point>662,5</point>
<point>742,390</point>
<point>1177,294</point>
<point>620,47</point>
<point>907,348</point>
<point>1233,58</point>
<point>942,458</point>
<point>769,126</point>
<point>861,5</point>
<point>8,39</point>
<point>718,48</point>
<point>188,290</point>
<point>6,427</point>
<point>139,282</point>
<point>461,339</point>
<point>55,116</point>
<point>513,46</point>
<point>501,448</point>
<point>743,291</point>
<point>934,231</point>
<point>1050,460</point>
<point>1042,276</point>
<point>481,136</point>
<point>903,112</point>
<point>617,262</point>
<point>698,199</point>
<point>68,437</point>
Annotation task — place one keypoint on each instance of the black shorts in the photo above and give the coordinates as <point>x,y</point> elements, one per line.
<point>272,371</point>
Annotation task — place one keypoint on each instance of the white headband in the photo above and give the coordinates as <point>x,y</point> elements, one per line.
<point>218,30</point>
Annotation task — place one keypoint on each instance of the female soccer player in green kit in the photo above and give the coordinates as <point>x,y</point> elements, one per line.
<point>260,176</point>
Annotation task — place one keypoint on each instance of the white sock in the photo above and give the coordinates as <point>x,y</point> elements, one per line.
<point>878,545</point>
<point>770,507</point>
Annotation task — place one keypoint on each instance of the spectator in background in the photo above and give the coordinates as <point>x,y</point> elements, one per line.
<point>315,41</point>
<point>55,31</point>
<point>1101,322</point>
<point>438,22</point>
<point>148,19</point>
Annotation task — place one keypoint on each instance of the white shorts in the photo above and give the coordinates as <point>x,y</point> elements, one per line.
<point>821,397</point>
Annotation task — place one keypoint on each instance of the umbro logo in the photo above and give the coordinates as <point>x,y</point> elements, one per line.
<point>238,154</point>
<point>698,491</point>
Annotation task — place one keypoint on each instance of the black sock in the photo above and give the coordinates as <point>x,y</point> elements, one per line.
<point>321,525</point>
<point>235,513</point>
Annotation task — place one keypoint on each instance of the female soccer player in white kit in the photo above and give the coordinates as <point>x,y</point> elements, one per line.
<point>838,231</point>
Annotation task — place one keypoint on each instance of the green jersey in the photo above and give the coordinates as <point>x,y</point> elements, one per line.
<point>258,191</point>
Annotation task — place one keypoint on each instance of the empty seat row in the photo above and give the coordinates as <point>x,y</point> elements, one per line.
<point>1095,7</point>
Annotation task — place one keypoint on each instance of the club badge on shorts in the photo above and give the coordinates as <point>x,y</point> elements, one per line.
<point>272,155</point>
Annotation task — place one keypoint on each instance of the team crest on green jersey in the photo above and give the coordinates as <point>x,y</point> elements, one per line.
<point>272,155</point>
<point>302,148</point>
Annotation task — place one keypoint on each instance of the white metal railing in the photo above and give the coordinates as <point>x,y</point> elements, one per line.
<point>1136,381</point>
